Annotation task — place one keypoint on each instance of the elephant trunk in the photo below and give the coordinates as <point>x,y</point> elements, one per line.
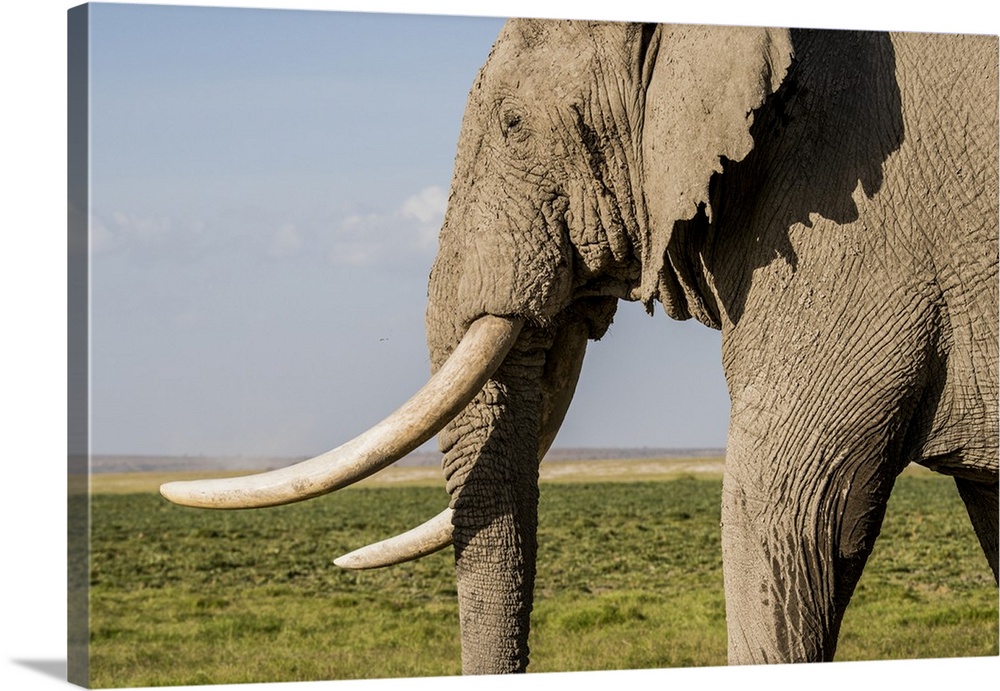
<point>491,468</point>
<point>492,451</point>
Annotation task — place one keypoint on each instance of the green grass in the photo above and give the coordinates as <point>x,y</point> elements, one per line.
<point>629,576</point>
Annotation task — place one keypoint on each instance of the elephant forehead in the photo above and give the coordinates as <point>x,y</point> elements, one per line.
<point>532,34</point>
<point>520,63</point>
<point>555,53</point>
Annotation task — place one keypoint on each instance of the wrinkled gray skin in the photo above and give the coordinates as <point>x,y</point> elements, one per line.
<point>827,199</point>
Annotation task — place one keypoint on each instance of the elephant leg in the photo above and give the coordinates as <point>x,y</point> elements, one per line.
<point>795,539</point>
<point>810,463</point>
<point>829,398</point>
<point>981,501</point>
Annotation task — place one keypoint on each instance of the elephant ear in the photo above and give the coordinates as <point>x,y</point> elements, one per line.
<point>703,88</point>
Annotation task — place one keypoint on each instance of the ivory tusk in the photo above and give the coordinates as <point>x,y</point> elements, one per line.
<point>448,391</point>
<point>425,539</point>
<point>428,537</point>
<point>436,534</point>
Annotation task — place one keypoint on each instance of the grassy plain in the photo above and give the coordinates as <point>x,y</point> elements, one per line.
<point>629,576</point>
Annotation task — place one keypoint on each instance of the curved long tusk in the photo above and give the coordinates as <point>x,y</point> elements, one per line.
<point>457,382</point>
<point>436,534</point>
<point>429,537</point>
<point>425,539</point>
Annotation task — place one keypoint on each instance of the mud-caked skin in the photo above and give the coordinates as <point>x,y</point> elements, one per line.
<point>828,199</point>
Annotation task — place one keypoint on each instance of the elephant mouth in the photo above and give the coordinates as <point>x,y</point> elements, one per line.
<point>448,392</point>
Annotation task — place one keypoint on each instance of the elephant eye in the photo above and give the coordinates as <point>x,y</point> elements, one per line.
<point>511,123</point>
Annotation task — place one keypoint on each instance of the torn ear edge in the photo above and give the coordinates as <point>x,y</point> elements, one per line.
<point>702,86</point>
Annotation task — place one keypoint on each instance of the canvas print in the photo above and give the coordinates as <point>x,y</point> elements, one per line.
<point>333,280</point>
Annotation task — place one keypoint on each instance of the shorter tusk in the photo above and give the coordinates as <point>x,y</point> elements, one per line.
<point>425,539</point>
<point>436,534</point>
<point>457,382</point>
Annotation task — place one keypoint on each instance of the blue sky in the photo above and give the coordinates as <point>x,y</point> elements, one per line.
<point>267,188</point>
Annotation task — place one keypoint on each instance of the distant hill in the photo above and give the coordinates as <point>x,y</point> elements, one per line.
<point>139,464</point>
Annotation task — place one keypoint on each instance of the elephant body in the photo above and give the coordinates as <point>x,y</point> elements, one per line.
<point>858,307</point>
<point>827,199</point>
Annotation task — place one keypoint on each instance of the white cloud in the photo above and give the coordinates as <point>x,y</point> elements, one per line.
<point>122,230</point>
<point>101,237</point>
<point>286,242</point>
<point>406,233</point>
<point>427,205</point>
<point>365,239</point>
<point>147,230</point>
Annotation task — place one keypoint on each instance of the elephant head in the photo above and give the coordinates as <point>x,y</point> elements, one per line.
<point>585,148</point>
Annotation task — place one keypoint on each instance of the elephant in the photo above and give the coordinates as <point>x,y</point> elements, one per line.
<point>825,198</point>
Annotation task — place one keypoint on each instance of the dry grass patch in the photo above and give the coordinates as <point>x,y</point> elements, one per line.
<point>610,470</point>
